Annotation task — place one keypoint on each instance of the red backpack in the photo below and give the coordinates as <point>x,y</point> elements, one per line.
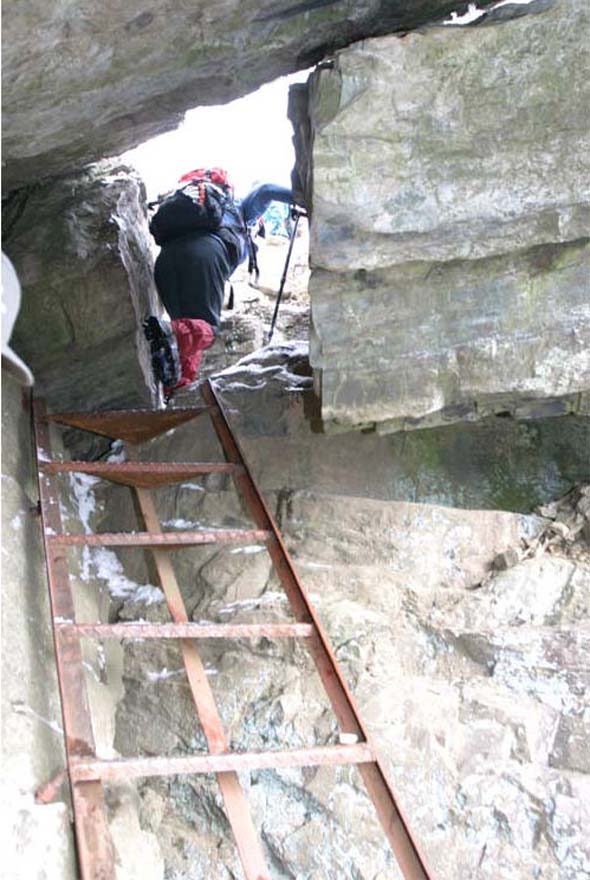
<point>199,204</point>
<point>216,175</point>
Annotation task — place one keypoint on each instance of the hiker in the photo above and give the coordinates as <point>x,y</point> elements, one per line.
<point>277,220</point>
<point>194,263</point>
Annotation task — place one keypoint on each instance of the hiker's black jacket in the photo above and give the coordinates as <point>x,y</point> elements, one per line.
<point>191,271</point>
<point>190,275</point>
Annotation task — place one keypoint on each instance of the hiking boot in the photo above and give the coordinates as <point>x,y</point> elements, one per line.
<point>163,351</point>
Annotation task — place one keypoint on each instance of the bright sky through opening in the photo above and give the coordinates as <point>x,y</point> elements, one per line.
<point>251,138</point>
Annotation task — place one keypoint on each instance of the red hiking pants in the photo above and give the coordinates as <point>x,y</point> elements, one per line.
<point>194,336</point>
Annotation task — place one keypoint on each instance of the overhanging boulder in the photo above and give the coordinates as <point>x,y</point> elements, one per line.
<point>86,80</point>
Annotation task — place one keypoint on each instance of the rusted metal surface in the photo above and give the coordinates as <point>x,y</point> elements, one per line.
<point>93,838</point>
<point>161,539</point>
<point>134,426</point>
<point>133,768</point>
<point>234,799</point>
<point>49,792</point>
<point>393,820</point>
<point>95,849</point>
<point>143,474</point>
<point>185,630</point>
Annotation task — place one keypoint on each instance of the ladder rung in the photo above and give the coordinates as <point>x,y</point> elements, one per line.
<point>134,426</point>
<point>186,630</point>
<point>161,539</point>
<point>145,474</point>
<point>83,770</point>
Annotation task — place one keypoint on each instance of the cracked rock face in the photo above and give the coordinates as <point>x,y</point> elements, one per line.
<point>498,463</point>
<point>448,173</point>
<point>82,251</point>
<point>472,683</point>
<point>82,81</point>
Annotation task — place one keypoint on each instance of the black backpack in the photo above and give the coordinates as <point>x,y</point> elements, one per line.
<point>198,206</point>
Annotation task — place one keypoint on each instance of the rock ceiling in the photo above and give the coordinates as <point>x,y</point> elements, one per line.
<point>84,80</point>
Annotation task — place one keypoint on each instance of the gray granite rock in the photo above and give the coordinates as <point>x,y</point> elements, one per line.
<point>85,81</point>
<point>475,695</point>
<point>473,683</point>
<point>422,344</point>
<point>82,250</point>
<point>498,463</point>
<point>38,840</point>
<point>451,216</point>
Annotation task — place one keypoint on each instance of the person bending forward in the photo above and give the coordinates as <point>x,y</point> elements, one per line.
<point>191,272</point>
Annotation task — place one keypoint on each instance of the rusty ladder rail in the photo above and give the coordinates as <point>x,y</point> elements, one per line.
<point>86,771</point>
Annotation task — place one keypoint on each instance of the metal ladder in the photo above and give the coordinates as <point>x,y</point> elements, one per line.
<point>86,771</point>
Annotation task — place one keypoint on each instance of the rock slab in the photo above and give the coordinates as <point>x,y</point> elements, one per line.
<point>81,248</point>
<point>449,178</point>
<point>473,682</point>
<point>475,695</point>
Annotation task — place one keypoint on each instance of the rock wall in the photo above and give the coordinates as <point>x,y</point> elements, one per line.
<point>82,251</point>
<point>499,463</point>
<point>473,683</point>
<point>473,688</point>
<point>451,218</point>
<point>84,81</point>
<point>38,839</point>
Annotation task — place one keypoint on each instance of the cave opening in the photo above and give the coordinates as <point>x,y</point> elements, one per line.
<point>251,138</point>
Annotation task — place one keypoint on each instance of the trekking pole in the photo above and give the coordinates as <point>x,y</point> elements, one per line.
<point>297,214</point>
